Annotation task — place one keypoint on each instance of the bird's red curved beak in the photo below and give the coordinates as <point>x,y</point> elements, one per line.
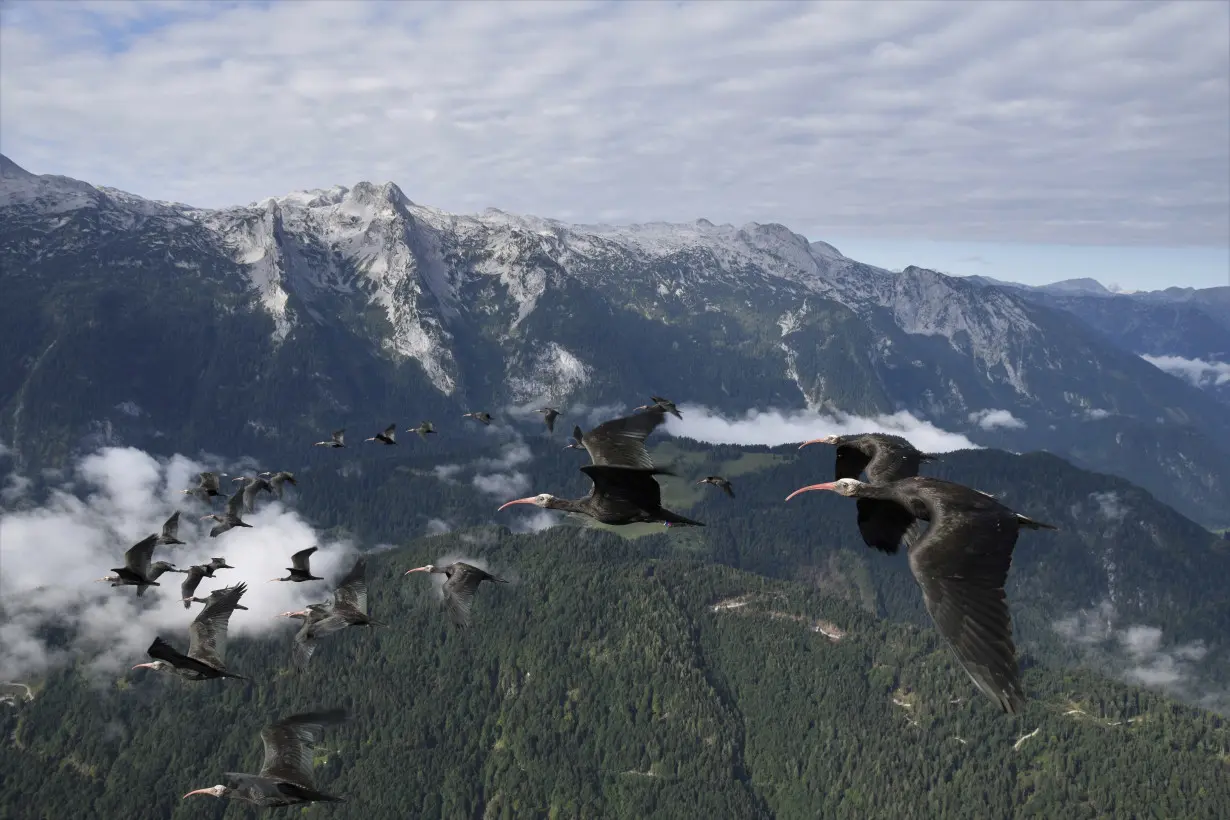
<point>828,485</point>
<point>420,569</point>
<point>144,666</point>
<point>199,791</point>
<point>529,500</point>
<point>824,440</point>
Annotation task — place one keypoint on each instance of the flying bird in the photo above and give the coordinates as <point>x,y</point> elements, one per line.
<point>299,569</point>
<point>462,581</point>
<point>285,777</point>
<point>883,457</point>
<point>620,442</point>
<point>230,519</point>
<point>338,440</point>
<point>170,531</point>
<point>620,495</point>
<point>213,596</point>
<point>549,415</point>
<point>389,436</point>
<point>481,415</point>
<point>156,570</point>
<point>424,430</point>
<point>349,608</point>
<point>196,573</point>
<point>207,642</point>
<point>961,563</point>
<point>207,487</point>
<point>136,569</point>
<point>278,480</point>
<point>252,486</point>
<point>665,405</point>
<point>718,481</point>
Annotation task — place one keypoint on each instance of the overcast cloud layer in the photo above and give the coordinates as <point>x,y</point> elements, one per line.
<point>1083,122</point>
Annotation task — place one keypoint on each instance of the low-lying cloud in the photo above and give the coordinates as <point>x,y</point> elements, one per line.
<point>990,419</point>
<point>52,549</point>
<point>1197,371</point>
<point>774,427</point>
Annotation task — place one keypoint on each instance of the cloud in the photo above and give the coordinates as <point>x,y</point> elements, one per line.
<point>536,521</point>
<point>1097,414</point>
<point>1100,123</point>
<point>990,419</point>
<point>502,485</point>
<point>52,552</point>
<point>1197,371</point>
<point>1110,506</point>
<point>438,526</point>
<point>773,427</point>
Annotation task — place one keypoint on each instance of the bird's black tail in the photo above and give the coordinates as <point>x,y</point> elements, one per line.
<point>1031,524</point>
<point>675,519</point>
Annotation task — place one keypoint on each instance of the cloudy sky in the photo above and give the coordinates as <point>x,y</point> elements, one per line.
<point>990,138</point>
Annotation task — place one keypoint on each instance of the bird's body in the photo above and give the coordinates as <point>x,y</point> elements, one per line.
<point>481,415</point>
<point>300,570</point>
<point>338,440</point>
<point>620,442</point>
<point>207,487</point>
<point>620,495</point>
<point>213,596</point>
<point>170,531</point>
<point>719,482</point>
<point>461,582</point>
<point>278,481</point>
<point>665,405</point>
<point>424,430</point>
<point>231,518</point>
<point>136,569</point>
<point>156,570</point>
<point>549,415</point>
<point>389,436</point>
<point>349,608</point>
<point>961,562</point>
<point>207,642</point>
<point>285,777</point>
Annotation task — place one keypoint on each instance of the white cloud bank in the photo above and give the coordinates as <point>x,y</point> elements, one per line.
<point>773,427</point>
<point>1100,123</point>
<point>1197,371</point>
<point>990,419</point>
<point>51,553</point>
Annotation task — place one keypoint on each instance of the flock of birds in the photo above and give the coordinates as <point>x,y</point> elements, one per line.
<point>959,543</point>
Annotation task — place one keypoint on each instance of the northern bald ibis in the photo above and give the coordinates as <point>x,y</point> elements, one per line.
<point>349,608</point>
<point>156,570</point>
<point>207,487</point>
<point>278,480</point>
<point>230,519</point>
<point>338,440</point>
<point>196,572</point>
<point>481,415</point>
<point>170,531</point>
<point>549,415</point>
<point>620,442</point>
<point>299,569</point>
<point>620,495</point>
<point>462,580</point>
<point>718,481</point>
<point>961,563</point>
<point>424,430</point>
<point>285,778</point>
<point>213,596</point>
<point>883,457</point>
<point>136,569</point>
<point>252,486</point>
<point>389,436</point>
<point>666,405</point>
<point>207,642</point>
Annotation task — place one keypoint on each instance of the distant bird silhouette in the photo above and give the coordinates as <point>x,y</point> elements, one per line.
<point>389,436</point>
<point>458,590</point>
<point>207,645</point>
<point>481,415</point>
<point>620,442</point>
<point>207,487</point>
<point>230,519</point>
<point>718,481</point>
<point>424,430</point>
<point>170,531</point>
<point>665,404</point>
<point>136,569</point>
<point>620,495</point>
<point>961,563</point>
<point>278,480</point>
<point>549,415</point>
<point>299,569</point>
<point>338,440</point>
<point>285,778</point>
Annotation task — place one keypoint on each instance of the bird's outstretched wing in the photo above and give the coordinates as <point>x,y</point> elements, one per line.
<point>191,581</point>
<point>626,489</point>
<point>962,564</point>
<point>137,557</point>
<point>621,442</point>
<point>235,504</point>
<point>850,462</point>
<point>351,593</point>
<point>459,591</point>
<point>208,631</point>
<point>209,481</point>
<point>300,559</point>
<point>163,651</point>
<point>287,754</point>
<point>170,530</point>
<point>251,489</point>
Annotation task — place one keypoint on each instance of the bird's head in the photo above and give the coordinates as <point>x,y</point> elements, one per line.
<point>427,568</point>
<point>212,791</point>
<point>644,407</point>
<point>220,563</point>
<point>545,500</point>
<point>842,486</point>
<point>824,440</point>
<point>186,492</point>
<point>214,516</point>
<point>106,578</point>
<point>303,613</point>
<point>155,665</point>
